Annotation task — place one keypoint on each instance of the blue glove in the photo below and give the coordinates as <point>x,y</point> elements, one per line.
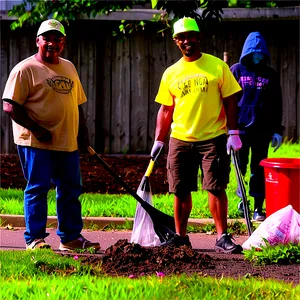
<point>276,141</point>
<point>156,149</point>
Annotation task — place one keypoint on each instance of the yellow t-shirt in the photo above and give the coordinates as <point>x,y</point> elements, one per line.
<point>51,95</point>
<point>197,88</point>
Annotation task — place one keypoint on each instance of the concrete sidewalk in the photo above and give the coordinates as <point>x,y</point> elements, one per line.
<point>12,231</point>
<point>101,222</point>
<point>13,239</point>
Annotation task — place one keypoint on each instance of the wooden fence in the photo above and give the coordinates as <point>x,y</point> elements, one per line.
<point>121,78</point>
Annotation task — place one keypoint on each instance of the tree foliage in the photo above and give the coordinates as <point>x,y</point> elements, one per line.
<point>31,12</point>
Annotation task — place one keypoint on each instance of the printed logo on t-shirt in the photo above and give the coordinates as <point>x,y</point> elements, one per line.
<point>260,83</point>
<point>61,84</point>
<point>193,84</point>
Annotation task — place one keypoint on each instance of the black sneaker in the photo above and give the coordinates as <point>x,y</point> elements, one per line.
<point>241,209</point>
<point>79,244</point>
<point>258,216</point>
<point>178,241</point>
<point>239,193</point>
<point>226,245</point>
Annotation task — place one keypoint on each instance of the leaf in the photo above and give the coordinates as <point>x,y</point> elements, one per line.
<point>154,3</point>
<point>9,227</point>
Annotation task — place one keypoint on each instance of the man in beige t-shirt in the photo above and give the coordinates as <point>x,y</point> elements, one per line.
<point>44,96</point>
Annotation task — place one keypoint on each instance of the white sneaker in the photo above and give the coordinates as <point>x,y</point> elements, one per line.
<point>38,244</point>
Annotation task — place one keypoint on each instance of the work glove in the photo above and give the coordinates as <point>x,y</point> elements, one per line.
<point>156,150</point>
<point>233,141</point>
<point>276,141</point>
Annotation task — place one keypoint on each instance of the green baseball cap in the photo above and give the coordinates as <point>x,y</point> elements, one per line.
<point>184,25</point>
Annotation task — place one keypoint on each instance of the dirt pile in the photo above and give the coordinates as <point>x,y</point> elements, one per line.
<point>96,179</point>
<point>124,258</point>
<point>132,260</point>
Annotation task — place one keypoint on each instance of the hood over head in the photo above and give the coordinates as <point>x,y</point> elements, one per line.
<point>254,43</point>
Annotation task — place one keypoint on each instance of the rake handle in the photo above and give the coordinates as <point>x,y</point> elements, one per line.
<point>117,177</point>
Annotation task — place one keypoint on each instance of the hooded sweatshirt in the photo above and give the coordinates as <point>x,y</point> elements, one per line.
<point>260,101</point>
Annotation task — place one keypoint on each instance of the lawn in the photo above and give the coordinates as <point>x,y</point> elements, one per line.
<point>47,275</point>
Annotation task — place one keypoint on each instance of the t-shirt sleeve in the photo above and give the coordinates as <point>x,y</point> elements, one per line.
<point>230,85</point>
<point>164,95</point>
<point>17,87</point>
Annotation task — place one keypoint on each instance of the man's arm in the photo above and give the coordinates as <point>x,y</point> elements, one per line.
<point>163,122</point>
<point>19,114</point>
<point>83,134</point>
<point>231,111</point>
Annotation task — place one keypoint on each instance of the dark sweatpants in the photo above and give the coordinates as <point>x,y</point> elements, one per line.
<point>259,144</point>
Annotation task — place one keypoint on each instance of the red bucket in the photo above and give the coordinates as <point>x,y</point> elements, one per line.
<point>282,178</point>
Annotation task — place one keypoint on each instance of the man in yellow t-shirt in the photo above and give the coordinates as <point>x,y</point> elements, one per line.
<point>198,104</point>
<point>43,96</point>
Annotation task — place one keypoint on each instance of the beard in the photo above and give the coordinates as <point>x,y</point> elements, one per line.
<point>189,49</point>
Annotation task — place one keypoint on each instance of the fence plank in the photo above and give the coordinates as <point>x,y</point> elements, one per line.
<point>157,65</point>
<point>120,118</point>
<point>139,93</point>
<point>288,82</point>
<point>103,85</point>
<point>5,124</point>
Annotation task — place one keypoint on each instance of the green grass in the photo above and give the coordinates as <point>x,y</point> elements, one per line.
<point>281,254</point>
<point>123,205</point>
<point>46,275</point>
<point>42,274</point>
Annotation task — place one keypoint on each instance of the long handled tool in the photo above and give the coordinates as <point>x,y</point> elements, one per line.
<point>164,224</point>
<point>143,230</point>
<point>241,187</point>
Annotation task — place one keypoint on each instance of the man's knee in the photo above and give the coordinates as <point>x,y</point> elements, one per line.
<point>216,193</point>
<point>182,194</point>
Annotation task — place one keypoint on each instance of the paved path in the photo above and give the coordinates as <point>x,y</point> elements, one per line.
<point>12,239</point>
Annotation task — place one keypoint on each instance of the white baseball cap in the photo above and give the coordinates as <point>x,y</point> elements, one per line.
<point>51,24</point>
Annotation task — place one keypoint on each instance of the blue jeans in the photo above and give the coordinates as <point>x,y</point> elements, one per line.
<point>41,168</point>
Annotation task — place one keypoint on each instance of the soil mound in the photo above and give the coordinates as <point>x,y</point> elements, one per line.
<point>129,259</point>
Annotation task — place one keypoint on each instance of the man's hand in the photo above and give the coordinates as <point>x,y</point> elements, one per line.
<point>156,149</point>
<point>42,134</point>
<point>233,141</point>
<point>19,114</point>
<point>276,141</point>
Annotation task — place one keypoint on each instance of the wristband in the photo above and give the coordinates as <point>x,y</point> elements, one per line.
<point>233,132</point>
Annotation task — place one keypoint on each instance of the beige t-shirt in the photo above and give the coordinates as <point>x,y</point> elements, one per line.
<point>51,95</point>
<point>197,88</point>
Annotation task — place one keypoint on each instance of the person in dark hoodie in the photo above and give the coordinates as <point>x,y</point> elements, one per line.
<point>259,114</point>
